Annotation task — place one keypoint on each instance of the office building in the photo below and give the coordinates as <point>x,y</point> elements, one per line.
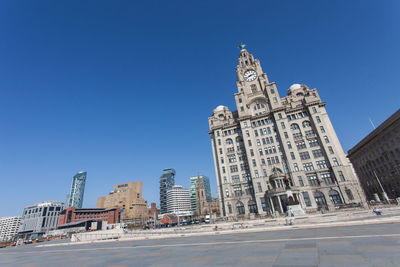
<point>376,160</point>
<point>277,151</point>
<point>167,180</point>
<point>73,215</point>
<point>75,197</point>
<point>178,201</point>
<point>127,197</point>
<point>9,227</point>
<point>40,218</point>
<point>207,188</point>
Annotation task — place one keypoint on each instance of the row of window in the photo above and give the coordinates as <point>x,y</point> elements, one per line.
<point>319,198</point>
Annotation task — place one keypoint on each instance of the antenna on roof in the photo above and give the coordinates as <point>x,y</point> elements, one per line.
<point>372,123</point>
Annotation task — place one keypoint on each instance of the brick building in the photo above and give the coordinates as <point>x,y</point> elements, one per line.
<point>72,214</point>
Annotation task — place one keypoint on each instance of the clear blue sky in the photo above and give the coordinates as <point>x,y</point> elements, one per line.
<point>123,89</point>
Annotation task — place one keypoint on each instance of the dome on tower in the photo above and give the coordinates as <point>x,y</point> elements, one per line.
<point>295,86</point>
<point>220,108</point>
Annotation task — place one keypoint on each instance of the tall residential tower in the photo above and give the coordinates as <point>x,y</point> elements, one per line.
<point>75,197</point>
<point>167,180</point>
<point>273,152</point>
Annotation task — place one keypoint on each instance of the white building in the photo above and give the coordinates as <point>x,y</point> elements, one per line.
<point>9,227</point>
<point>178,201</point>
<point>40,218</point>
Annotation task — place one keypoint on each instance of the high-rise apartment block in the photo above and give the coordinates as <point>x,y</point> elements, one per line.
<point>273,152</point>
<point>9,227</point>
<point>127,197</point>
<point>178,201</point>
<point>40,218</point>
<point>167,180</point>
<point>376,160</point>
<point>75,197</point>
<point>207,188</point>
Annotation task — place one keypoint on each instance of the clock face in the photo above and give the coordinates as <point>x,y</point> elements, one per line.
<point>250,75</point>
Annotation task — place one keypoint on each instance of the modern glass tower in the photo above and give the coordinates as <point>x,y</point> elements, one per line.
<point>167,180</point>
<point>193,181</point>
<point>75,197</point>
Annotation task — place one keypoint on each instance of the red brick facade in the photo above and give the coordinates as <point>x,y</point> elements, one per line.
<point>73,214</point>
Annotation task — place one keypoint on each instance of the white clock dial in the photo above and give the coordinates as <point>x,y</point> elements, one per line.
<point>250,75</point>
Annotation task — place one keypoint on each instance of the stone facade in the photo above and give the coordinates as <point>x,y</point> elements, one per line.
<point>376,159</point>
<point>128,197</point>
<point>275,151</point>
<point>205,206</point>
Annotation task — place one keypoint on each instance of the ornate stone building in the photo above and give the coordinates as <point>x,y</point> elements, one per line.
<point>273,152</point>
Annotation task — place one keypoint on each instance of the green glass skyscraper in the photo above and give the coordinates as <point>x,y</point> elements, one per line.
<point>75,197</point>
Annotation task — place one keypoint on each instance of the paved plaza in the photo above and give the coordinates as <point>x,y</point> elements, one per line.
<point>362,245</point>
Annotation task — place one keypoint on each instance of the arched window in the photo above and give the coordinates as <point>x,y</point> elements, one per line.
<point>294,126</point>
<point>306,124</point>
<point>299,94</point>
<point>252,206</point>
<point>320,199</point>
<point>240,208</point>
<point>335,197</point>
<point>229,141</point>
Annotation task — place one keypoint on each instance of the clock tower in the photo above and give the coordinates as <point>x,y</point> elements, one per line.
<point>273,152</point>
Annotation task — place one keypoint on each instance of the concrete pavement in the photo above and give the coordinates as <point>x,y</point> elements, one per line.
<point>362,245</point>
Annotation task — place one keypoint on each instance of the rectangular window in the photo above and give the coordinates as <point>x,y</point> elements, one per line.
<point>249,141</point>
<point>307,199</point>
<point>286,135</point>
<point>220,151</point>
<point>327,178</point>
<point>314,109</point>
<point>304,155</point>
<point>230,149</point>
<point>296,167</point>
<point>255,132</point>
<point>313,143</point>
<point>247,133</point>
<point>349,194</point>
<point>341,176</point>
<point>308,166</point>
<point>225,180</point>
<point>335,162</point>
<point>322,129</point>
<point>265,172</point>
<point>317,153</point>
<point>254,163</point>
<point>313,180</point>
<point>223,169</point>
<point>326,139</point>
<point>260,151</point>
<point>289,145</point>
<point>301,145</point>
<point>235,179</point>
<point>330,150</point>
<point>283,125</point>
<point>242,109</point>
<point>256,174</point>
<point>297,136</point>
<point>258,142</point>
<point>263,204</point>
<point>234,168</point>
<point>237,190</point>
<point>318,119</point>
<point>251,152</point>
<point>232,158</point>
<point>321,164</point>
<point>259,187</point>
<point>292,155</point>
<point>301,183</point>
